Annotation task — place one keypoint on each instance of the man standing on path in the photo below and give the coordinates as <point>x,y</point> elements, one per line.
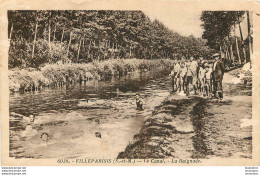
<point>194,68</point>
<point>189,77</point>
<point>192,75</point>
<point>175,74</point>
<point>218,73</point>
<point>182,79</point>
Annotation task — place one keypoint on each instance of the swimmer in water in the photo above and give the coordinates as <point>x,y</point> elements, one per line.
<point>45,137</point>
<point>32,118</point>
<point>139,102</point>
<point>98,134</point>
<point>97,121</point>
<point>29,131</point>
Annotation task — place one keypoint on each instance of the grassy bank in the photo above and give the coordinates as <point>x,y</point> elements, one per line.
<point>194,128</point>
<point>60,74</point>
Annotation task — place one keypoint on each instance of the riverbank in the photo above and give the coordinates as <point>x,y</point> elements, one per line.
<point>198,127</point>
<point>62,74</point>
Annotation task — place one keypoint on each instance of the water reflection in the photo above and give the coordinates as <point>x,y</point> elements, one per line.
<point>73,115</point>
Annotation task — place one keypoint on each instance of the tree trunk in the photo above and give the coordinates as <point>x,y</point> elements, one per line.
<point>228,55</point>
<point>83,46</point>
<point>130,53</point>
<point>44,34</point>
<point>238,54</point>
<point>11,31</point>
<point>69,43</point>
<point>249,36</point>
<point>79,50</point>
<point>50,37</point>
<point>242,39</point>
<point>231,53</point>
<point>21,39</point>
<point>34,41</point>
<point>244,53</point>
<point>89,49</point>
<point>113,50</point>
<point>62,35</point>
<point>54,32</point>
<point>99,49</point>
<point>241,34</point>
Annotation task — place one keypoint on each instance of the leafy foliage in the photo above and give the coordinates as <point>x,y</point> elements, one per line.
<point>218,25</point>
<point>219,31</point>
<point>39,37</point>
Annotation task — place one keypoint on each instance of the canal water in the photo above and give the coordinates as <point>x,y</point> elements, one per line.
<point>96,119</point>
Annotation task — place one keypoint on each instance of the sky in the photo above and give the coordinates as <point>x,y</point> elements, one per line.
<point>185,22</point>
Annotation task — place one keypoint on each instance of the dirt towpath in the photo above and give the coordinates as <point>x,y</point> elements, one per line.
<point>198,127</point>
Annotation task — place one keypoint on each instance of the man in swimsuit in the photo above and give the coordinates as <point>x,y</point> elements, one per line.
<point>182,79</point>
<point>208,80</point>
<point>175,73</point>
<point>201,77</point>
<point>194,71</point>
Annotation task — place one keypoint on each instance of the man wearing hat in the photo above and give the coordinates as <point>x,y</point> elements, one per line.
<point>217,74</point>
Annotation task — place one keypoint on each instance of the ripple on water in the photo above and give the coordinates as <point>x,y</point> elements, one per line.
<point>71,122</point>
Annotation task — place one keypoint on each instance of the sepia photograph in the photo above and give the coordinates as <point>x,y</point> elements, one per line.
<point>130,86</point>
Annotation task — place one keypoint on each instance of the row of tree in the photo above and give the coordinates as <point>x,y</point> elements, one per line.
<point>39,37</point>
<point>220,33</point>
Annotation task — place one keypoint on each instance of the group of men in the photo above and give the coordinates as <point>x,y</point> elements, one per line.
<point>199,77</point>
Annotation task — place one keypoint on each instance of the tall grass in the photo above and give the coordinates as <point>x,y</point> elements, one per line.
<point>59,74</point>
<point>26,80</point>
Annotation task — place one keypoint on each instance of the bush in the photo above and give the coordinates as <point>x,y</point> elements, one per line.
<point>25,80</point>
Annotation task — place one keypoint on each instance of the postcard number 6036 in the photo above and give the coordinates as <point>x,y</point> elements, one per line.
<point>63,161</point>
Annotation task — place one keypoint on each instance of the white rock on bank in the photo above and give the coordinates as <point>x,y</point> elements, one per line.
<point>246,122</point>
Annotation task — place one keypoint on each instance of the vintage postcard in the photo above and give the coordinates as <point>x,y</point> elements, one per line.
<point>129,83</point>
